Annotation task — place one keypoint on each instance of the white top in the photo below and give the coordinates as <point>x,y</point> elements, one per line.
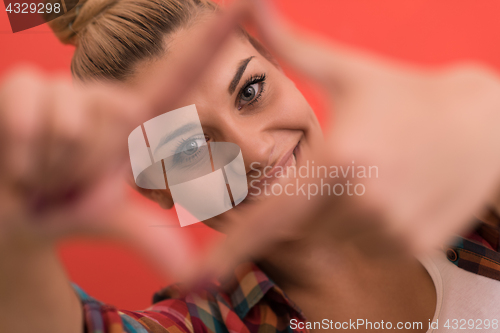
<point>466,302</point>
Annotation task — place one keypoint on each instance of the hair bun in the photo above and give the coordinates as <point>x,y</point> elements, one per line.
<point>68,26</point>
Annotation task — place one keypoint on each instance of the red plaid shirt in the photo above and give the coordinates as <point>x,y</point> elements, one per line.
<point>251,302</point>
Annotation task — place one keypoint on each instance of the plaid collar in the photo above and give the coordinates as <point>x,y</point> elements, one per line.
<point>249,285</point>
<point>478,252</point>
<point>248,301</point>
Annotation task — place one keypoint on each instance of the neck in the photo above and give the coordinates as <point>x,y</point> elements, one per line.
<point>344,280</point>
<point>308,262</point>
<point>304,263</point>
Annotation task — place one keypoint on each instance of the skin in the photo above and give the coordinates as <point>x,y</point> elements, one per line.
<point>427,191</point>
<point>265,131</point>
<point>63,162</point>
<point>310,239</point>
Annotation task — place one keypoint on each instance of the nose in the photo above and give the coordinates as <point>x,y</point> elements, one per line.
<point>256,143</point>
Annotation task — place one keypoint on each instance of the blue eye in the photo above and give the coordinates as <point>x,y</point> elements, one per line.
<point>249,92</point>
<point>189,150</point>
<point>252,91</point>
<point>191,147</point>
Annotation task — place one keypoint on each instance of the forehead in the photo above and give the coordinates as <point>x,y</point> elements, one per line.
<point>224,63</point>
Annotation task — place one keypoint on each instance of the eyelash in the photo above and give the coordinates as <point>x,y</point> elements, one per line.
<point>261,78</point>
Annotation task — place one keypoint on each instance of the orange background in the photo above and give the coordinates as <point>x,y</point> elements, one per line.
<point>427,32</point>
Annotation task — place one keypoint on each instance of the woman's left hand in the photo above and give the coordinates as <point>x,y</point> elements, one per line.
<point>432,134</point>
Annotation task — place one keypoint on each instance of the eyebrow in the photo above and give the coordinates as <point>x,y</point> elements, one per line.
<point>179,131</point>
<point>239,73</point>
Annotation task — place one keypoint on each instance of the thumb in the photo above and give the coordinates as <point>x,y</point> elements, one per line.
<point>108,211</point>
<point>264,225</point>
<point>165,245</point>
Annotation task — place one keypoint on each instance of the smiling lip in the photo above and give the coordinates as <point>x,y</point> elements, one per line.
<point>284,162</point>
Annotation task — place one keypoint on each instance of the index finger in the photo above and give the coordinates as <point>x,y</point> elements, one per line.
<point>338,67</point>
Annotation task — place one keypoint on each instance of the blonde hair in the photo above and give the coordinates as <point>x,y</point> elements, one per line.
<point>111,36</point>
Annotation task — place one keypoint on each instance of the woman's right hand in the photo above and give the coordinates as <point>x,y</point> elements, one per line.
<point>432,134</point>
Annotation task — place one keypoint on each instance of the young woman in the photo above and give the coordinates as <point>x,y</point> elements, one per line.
<point>306,283</point>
